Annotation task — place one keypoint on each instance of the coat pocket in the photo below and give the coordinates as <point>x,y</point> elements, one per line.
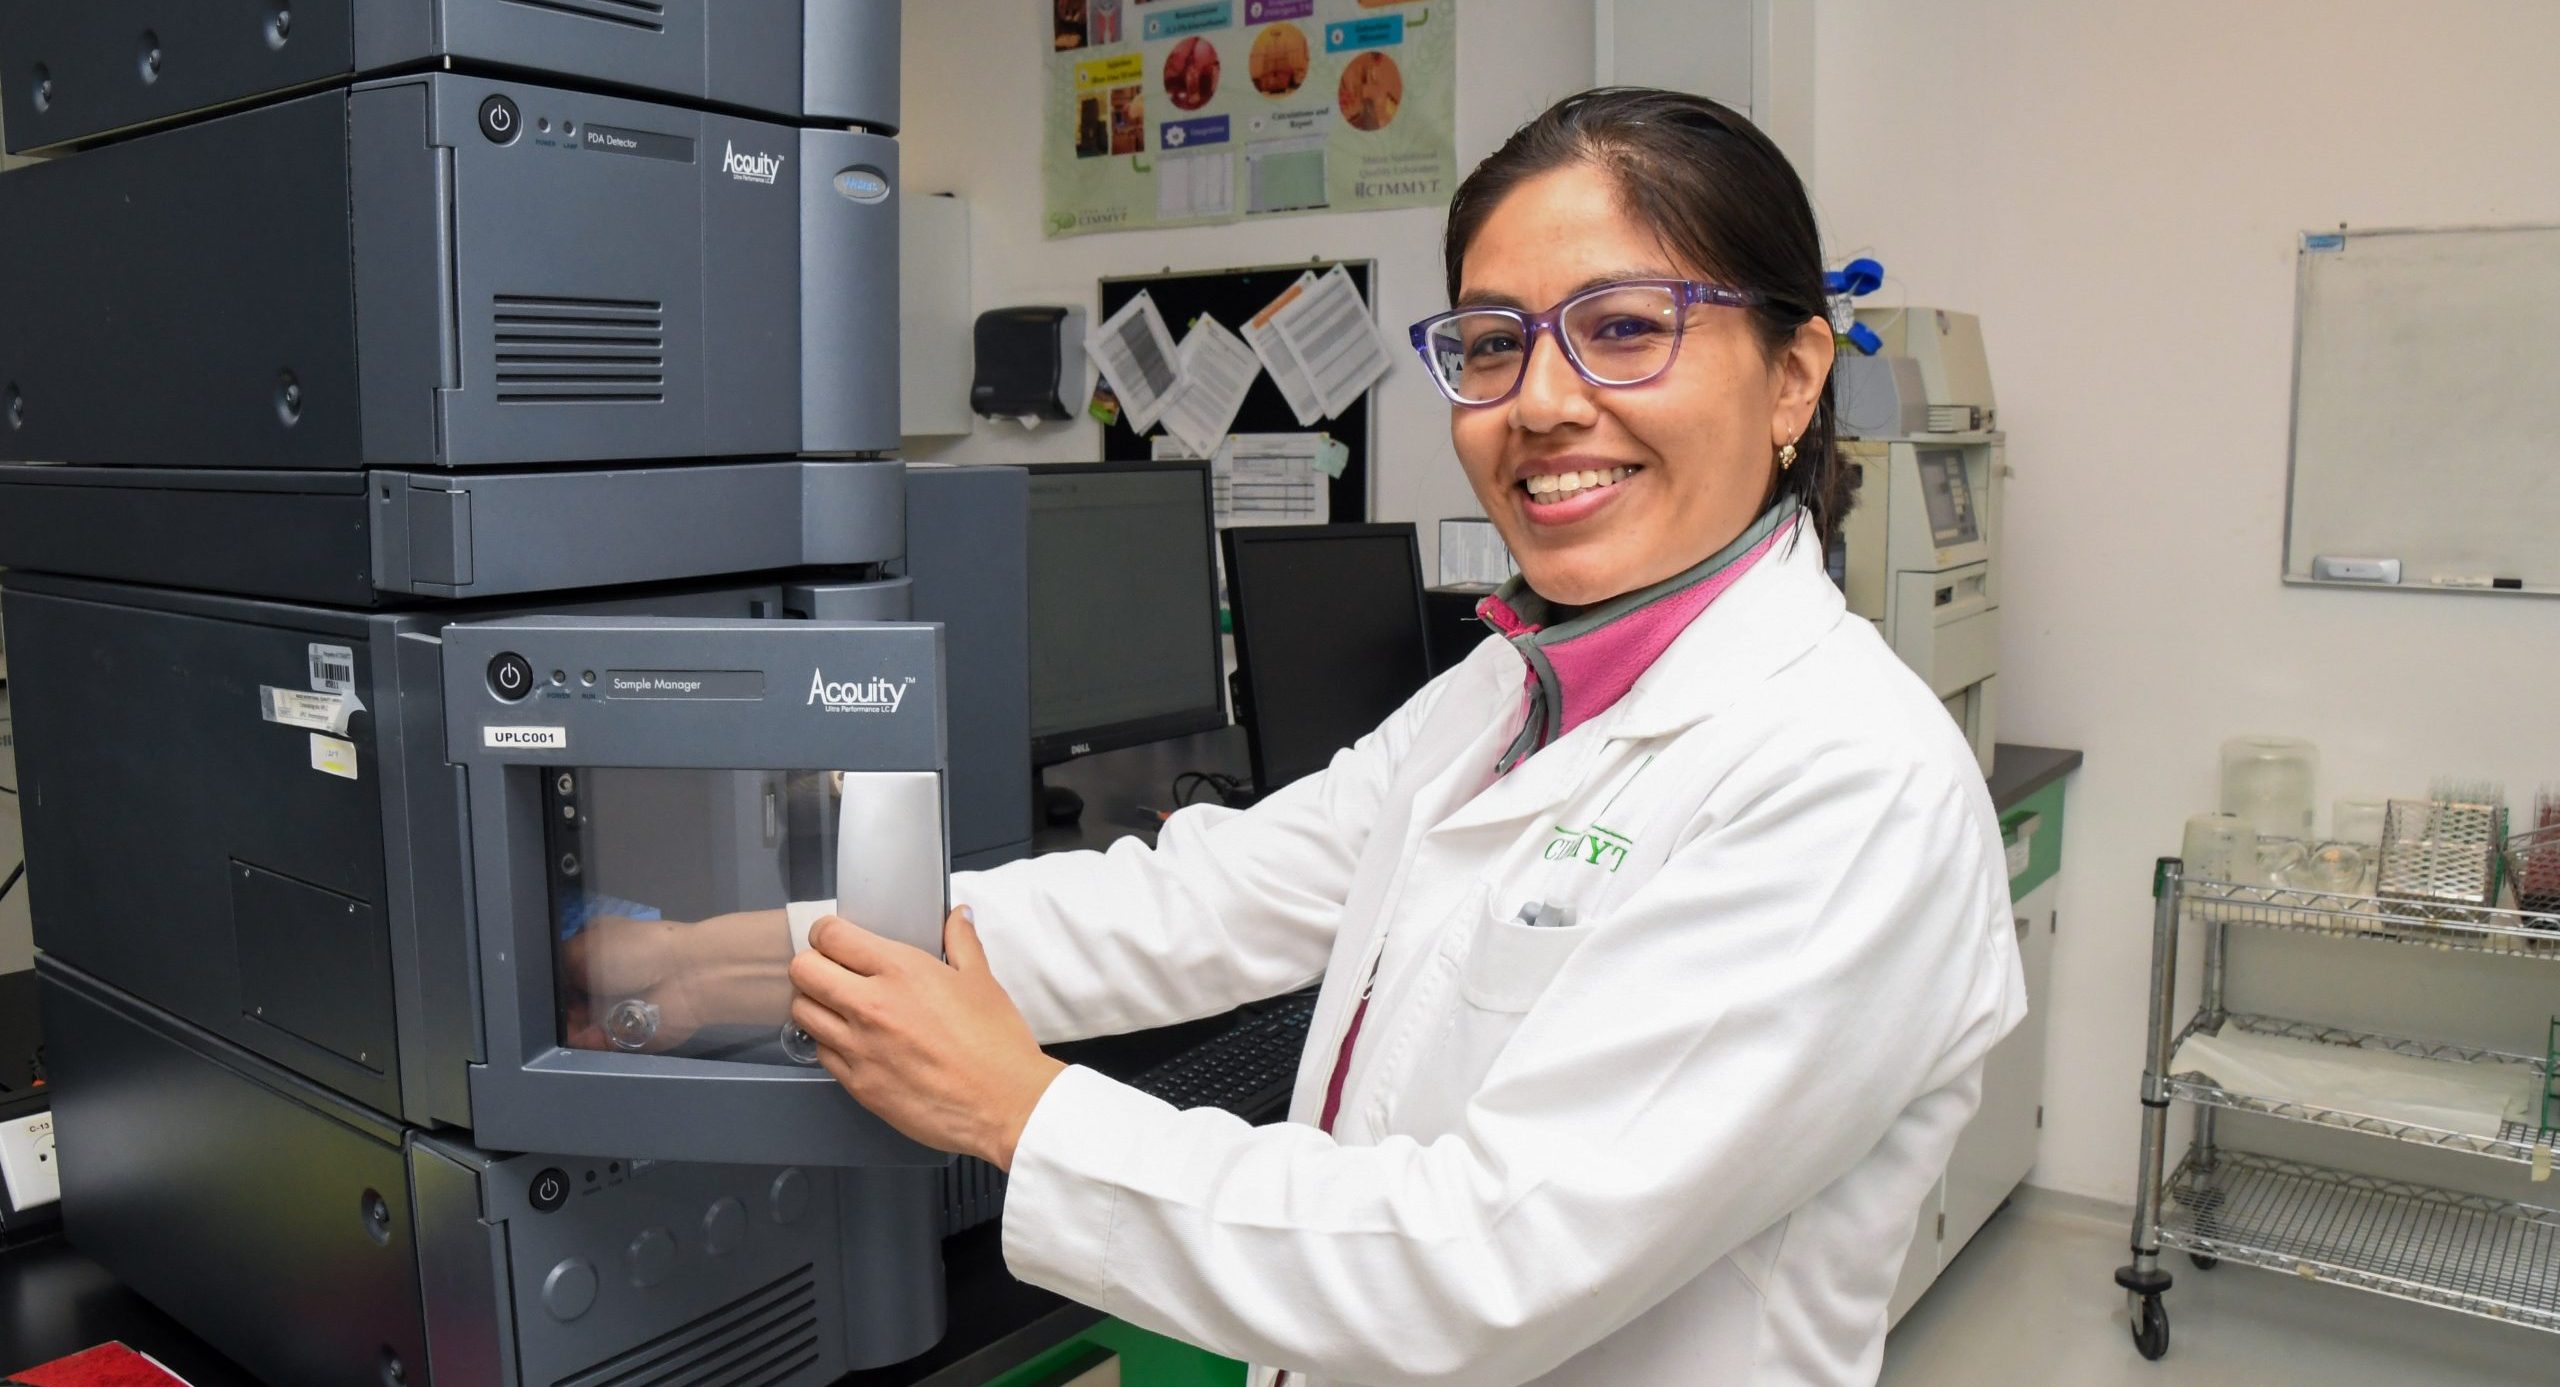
<point>1500,968</point>
<point>1509,964</point>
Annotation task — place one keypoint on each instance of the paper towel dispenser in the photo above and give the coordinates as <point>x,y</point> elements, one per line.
<point>1030,363</point>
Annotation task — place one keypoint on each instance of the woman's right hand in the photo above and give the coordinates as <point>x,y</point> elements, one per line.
<point>727,970</point>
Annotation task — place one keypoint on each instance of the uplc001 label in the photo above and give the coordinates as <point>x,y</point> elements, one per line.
<point>525,738</point>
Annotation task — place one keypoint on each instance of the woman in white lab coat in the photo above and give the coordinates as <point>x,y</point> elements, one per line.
<point>1661,940</point>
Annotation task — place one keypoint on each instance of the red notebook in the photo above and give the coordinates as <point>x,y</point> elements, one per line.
<point>107,1365</point>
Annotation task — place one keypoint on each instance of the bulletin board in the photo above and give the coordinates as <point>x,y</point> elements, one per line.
<point>2426,429</point>
<point>1233,297</point>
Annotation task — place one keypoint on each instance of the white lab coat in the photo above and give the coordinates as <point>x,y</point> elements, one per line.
<point>1680,1139</point>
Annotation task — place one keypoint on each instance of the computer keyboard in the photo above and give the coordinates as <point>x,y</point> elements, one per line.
<point>1248,1069</point>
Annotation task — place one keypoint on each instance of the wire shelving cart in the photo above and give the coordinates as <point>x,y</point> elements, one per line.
<point>2481,1256</point>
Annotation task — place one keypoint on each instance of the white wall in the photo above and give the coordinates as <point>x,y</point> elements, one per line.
<point>2117,189</point>
<point>975,82</point>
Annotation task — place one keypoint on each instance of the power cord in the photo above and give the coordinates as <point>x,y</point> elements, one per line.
<point>1233,791</point>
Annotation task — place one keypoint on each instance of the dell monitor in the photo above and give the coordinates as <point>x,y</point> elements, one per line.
<point>1124,611</point>
<point>1329,638</point>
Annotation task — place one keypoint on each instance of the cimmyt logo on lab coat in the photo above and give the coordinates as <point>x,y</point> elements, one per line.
<point>1593,847</point>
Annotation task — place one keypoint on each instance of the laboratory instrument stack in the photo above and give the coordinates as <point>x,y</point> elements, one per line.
<point>452,533</point>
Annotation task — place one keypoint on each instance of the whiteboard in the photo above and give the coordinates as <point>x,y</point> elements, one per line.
<point>2426,406</point>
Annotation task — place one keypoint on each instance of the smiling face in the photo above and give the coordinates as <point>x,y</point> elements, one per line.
<point>1600,491</point>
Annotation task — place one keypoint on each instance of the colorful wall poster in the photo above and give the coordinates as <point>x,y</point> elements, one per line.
<point>1190,112</point>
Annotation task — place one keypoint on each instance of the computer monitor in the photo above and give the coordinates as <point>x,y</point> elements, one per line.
<point>1124,609</point>
<point>1329,638</point>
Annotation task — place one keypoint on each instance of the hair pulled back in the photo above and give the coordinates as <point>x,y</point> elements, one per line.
<point>1704,179</point>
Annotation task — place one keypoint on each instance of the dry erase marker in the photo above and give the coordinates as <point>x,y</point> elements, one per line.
<point>2480,583</point>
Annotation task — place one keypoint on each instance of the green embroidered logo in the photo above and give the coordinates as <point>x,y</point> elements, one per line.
<point>1595,846</point>
<point>1604,848</point>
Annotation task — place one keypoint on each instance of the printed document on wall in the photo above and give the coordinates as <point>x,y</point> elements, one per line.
<point>1296,386</point>
<point>1217,371</point>
<point>1135,352</point>
<point>1335,342</point>
<point>1262,478</point>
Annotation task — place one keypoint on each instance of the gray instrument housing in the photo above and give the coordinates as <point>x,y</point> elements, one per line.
<point>444,1264</point>
<point>184,851</point>
<point>767,713</point>
<point>80,69</point>
<point>392,537</point>
<point>367,539</point>
<point>174,915</point>
<point>969,556</point>
<point>360,277</point>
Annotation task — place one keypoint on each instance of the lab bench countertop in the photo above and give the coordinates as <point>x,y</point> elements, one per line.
<point>54,1301</point>
<point>2017,772</point>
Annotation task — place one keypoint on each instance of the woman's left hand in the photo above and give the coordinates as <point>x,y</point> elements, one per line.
<point>936,1049</point>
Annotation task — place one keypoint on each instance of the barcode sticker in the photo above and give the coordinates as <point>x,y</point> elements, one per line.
<point>293,708</point>
<point>333,668</point>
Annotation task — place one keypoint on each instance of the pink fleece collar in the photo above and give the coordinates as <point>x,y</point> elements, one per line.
<point>1583,664</point>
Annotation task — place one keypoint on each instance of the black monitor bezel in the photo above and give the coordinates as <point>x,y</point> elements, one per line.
<point>1250,536</point>
<point>1058,748</point>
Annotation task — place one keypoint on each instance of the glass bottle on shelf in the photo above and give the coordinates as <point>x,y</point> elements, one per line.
<point>2268,782</point>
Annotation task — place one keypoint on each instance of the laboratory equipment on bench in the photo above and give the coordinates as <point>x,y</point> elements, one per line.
<point>380,275</point>
<point>1920,547</point>
<point>834,62</point>
<point>463,605</point>
<point>1330,639</point>
<point>1927,375</point>
<point>297,975</point>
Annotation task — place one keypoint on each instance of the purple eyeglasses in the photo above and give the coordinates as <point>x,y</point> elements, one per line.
<point>1622,333</point>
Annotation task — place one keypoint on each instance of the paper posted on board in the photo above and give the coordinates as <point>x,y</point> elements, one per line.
<point>1329,332</point>
<point>1263,478</point>
<point>1217,370</point>
<point>1135,352</point>
<point>1296,386</point>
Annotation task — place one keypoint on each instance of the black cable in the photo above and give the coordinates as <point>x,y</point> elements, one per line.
<point>1226,787</point>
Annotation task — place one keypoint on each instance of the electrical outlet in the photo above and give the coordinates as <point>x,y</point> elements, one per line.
<point>27,1161</point>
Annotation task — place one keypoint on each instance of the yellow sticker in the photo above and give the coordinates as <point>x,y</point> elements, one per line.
<point>2542,1163</point>
<point>1111,72</point>
<point>336,755</point>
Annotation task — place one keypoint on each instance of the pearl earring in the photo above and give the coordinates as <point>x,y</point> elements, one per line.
<point>1786,457</point>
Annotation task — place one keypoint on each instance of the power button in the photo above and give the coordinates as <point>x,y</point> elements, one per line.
<point>549,1191</point>
<point>510,676</point>
<point>499,120</point>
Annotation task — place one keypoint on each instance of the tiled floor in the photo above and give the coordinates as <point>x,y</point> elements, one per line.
<point>2033,1303</point>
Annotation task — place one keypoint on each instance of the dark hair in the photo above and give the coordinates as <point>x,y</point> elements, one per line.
<point>1707,181</point>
